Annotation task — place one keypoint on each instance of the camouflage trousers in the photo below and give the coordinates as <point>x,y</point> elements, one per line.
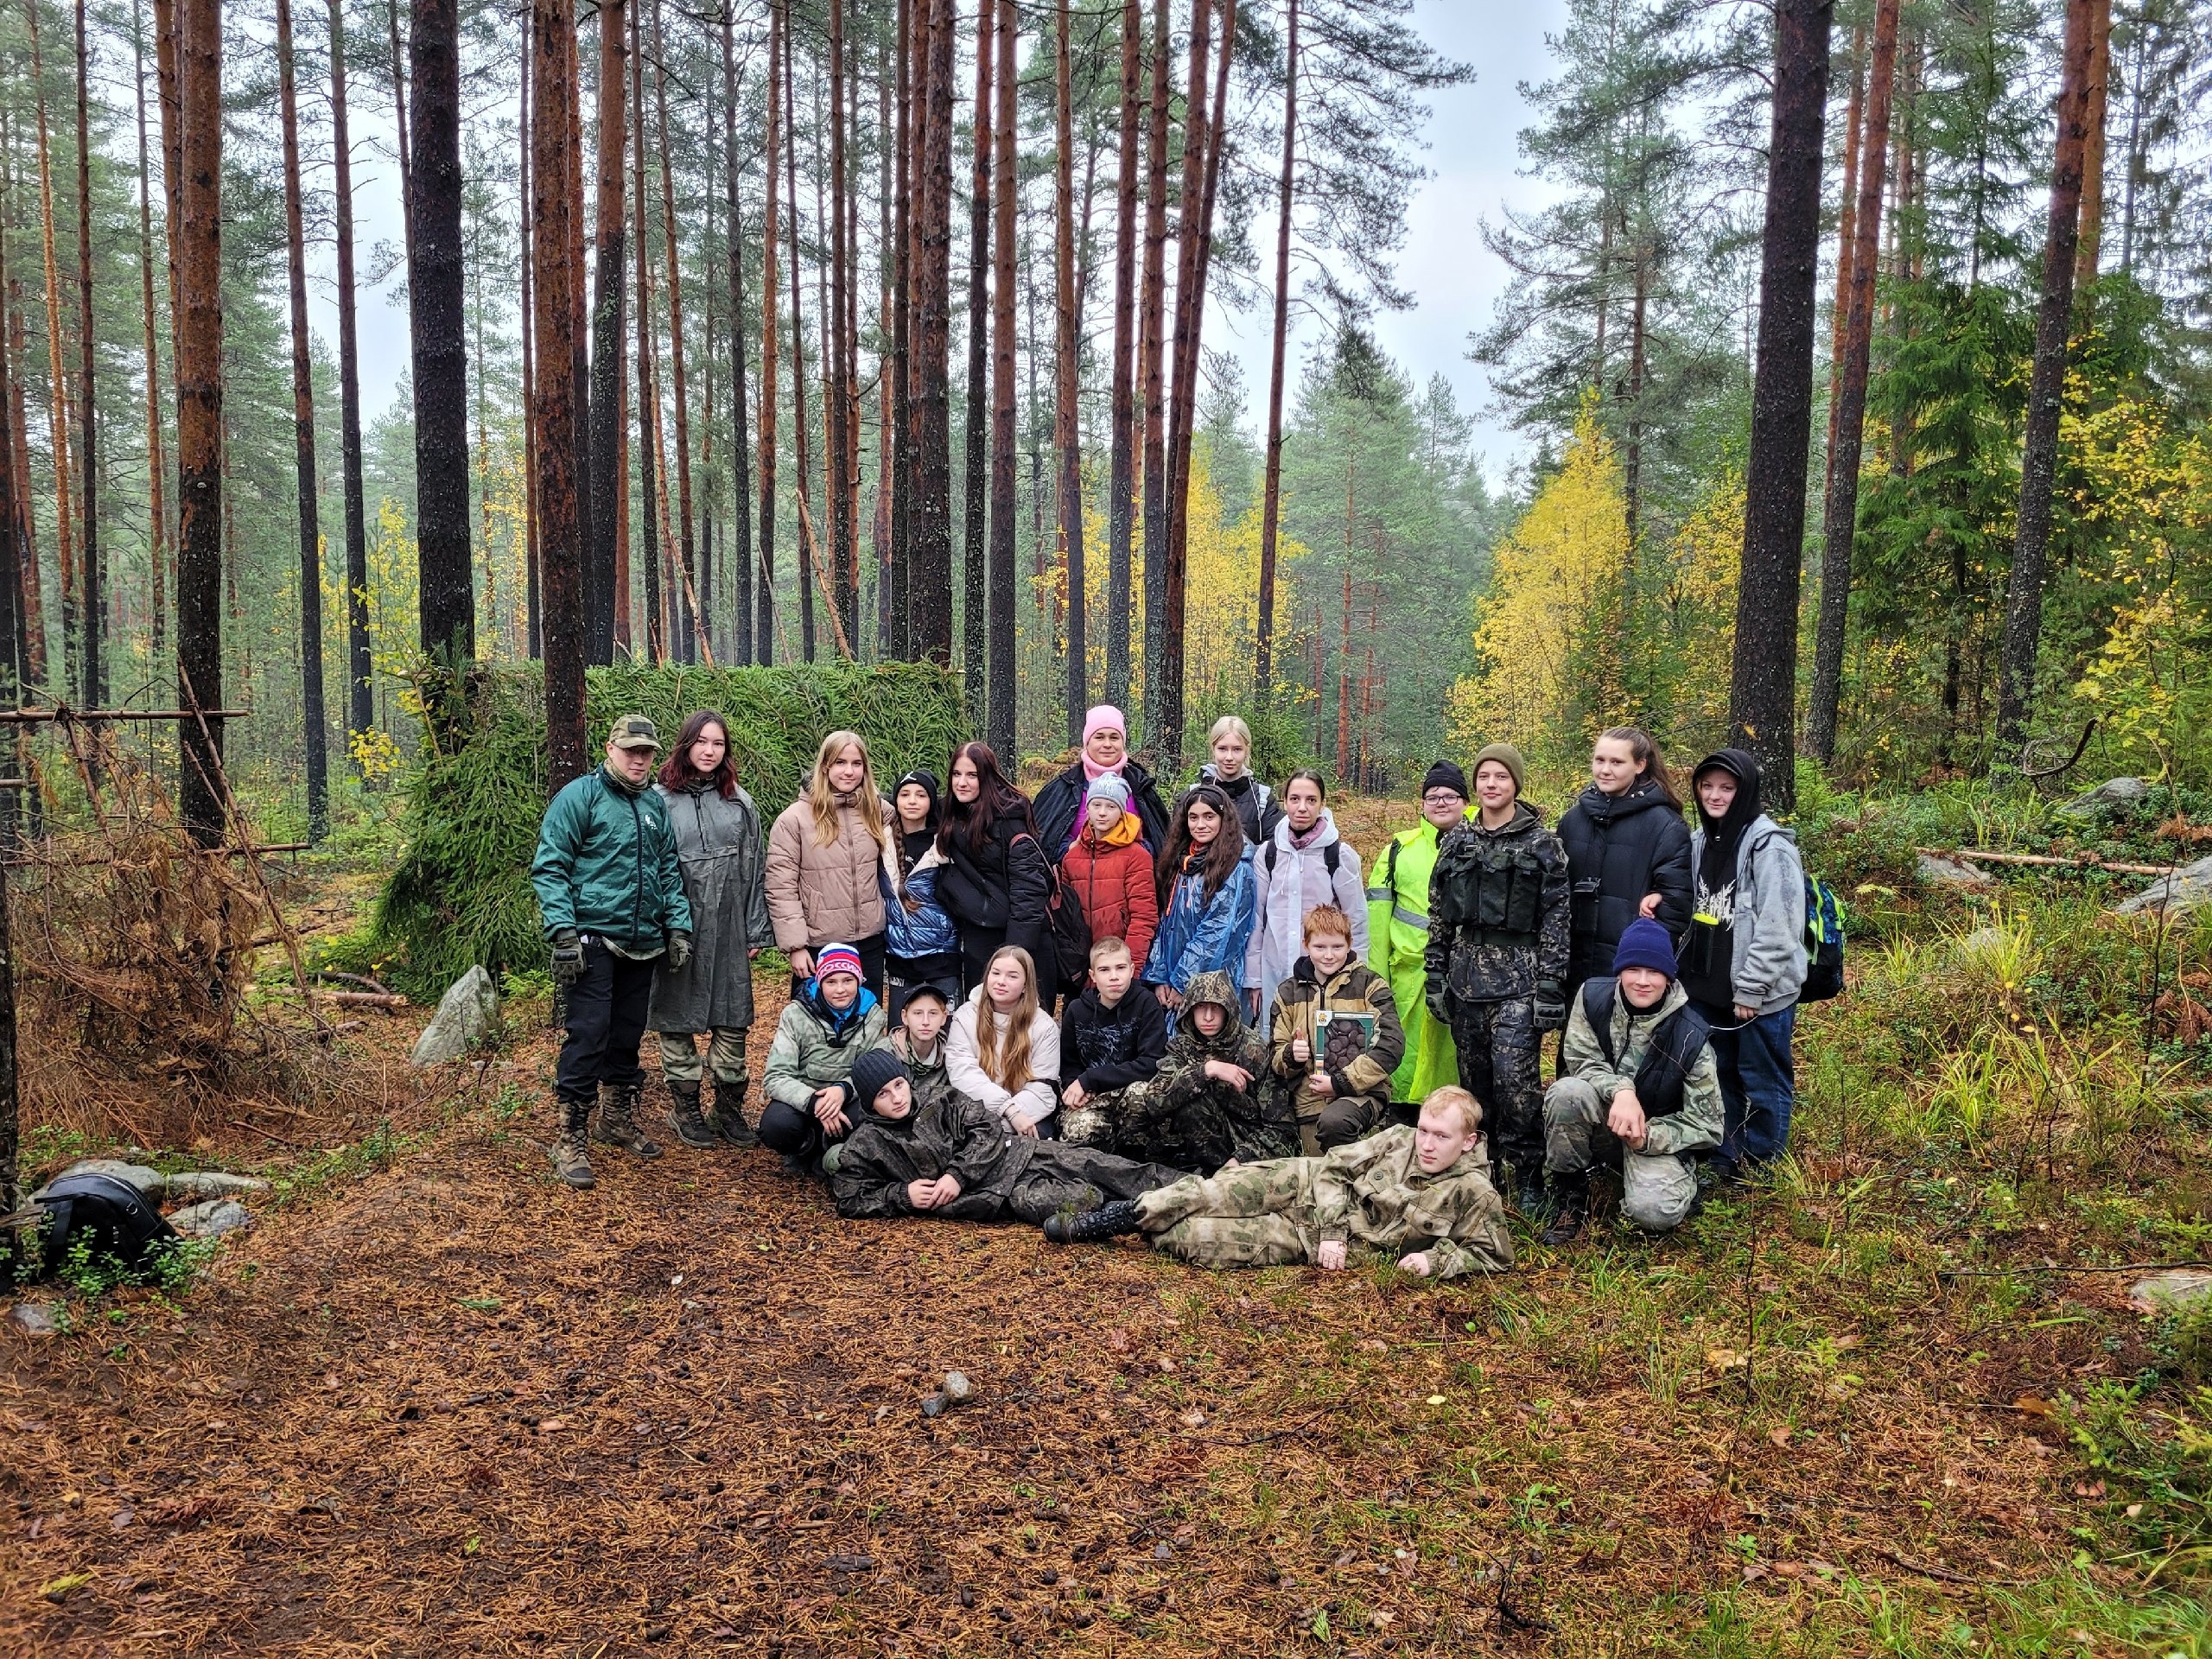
<point>1097,1122</point>
<point>679,1055</point>
<point>1657,1191</point>
<point>1062,1179</point>
<point>1255,1216</point>
<point>1500,1065</point>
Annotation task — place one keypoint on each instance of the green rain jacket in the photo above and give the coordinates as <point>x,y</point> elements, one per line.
<point>1397,946</point>
<point>606,865</point>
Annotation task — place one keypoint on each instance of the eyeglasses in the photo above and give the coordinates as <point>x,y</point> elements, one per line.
<point>1440,798</point>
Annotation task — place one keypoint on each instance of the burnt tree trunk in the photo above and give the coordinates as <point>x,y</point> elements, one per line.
<point>311,713</point>
<point>199,236</point>
<point>1839,516</point>
<point>557,167</point>
<point>2016,665</point>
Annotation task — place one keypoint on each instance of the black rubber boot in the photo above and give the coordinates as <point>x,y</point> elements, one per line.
<point>571,1161</point>
<point>1107,1221</point>
<point>618,1122</point>
<point>1530,1196</point>
<point>1570,1196</point>
<point>729,1115</point>
<point>683,1116</point>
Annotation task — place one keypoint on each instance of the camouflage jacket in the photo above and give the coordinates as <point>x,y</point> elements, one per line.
<point>1697,1125</point>
<point>931,1086</point>
<point>955,1136</point>
<point>1300,1003</point>
<point>1258,1121</point>
<point>1500,920</point>
<point>1374,1193</point>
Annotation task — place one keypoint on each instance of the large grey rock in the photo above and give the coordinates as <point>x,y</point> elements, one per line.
<point>150,1181</point>
<point>2114,792</point>
<point>1953,872</point>
<point>35,1319</point>
<point>212,1219</point>
<point>2178,1290</point>
<point>214,1184</point>
<point>468,1013</point>
<point>2185,890</point>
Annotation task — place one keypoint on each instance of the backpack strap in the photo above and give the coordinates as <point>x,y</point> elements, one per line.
<point>1332,855</point>
<point>1270,855</point>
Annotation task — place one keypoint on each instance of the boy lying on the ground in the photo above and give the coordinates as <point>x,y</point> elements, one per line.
<point>959,1160</point>
<point>1212,1099</point>
<point>1420,1196</point>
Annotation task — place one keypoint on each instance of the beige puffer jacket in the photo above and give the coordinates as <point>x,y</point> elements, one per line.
<point>818,894</point>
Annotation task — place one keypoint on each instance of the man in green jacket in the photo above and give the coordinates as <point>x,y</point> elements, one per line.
<point>611,894</point>
<point>1397,933</point>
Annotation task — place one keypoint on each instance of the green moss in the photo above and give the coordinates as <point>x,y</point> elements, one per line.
<point>461,890</point>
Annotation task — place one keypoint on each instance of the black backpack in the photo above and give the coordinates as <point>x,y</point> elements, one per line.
<point>109,1218</point>
<point>1066,925</point>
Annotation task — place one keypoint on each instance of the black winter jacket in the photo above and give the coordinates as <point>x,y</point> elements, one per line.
<point>1618,848</point>
<point>954,1137</point>
<point>1060,807</point>
<point>1104,1049</point>
<point>1005,885</point>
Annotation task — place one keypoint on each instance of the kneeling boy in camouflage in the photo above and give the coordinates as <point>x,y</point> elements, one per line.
<point>1421,1197</point>
<point>956,1159</point>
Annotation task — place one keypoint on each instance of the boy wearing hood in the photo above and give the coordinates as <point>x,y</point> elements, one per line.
<point>822,1031</point>
<point>1110,870</point>
<point>953,1157</point>
<point>1744,962</point>
<point>921,942</point>
<point>1640,1090</point>
<point>1212,1099</point>
<point>1499,940</point>
<point>1338,1097</point>
<point>1420,1196</point>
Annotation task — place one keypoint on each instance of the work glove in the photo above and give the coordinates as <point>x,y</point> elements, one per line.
<point>1437,1009</point>
<point>679,950</point>
<point>567,956</point>
<point>1551,1005</point>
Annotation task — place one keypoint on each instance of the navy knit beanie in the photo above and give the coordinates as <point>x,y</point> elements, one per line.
<point>1644,944</point>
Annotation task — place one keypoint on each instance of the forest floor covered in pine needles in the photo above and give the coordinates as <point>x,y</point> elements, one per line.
<point>438,1403</point>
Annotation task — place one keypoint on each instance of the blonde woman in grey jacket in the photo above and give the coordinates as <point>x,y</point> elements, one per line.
<point>1744,958</point>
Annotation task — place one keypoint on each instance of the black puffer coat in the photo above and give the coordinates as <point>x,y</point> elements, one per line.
<point>1618,848</point>
<point>1002,887</point>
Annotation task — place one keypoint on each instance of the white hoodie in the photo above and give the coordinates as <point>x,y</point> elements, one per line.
<point>1036,1100</point>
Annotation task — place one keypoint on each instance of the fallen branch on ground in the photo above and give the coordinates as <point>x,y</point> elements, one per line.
<point>2077,861</point>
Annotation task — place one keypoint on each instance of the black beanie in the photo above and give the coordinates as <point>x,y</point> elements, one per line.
<point>1444,775</point>
<point>874,1072</point>
<point>926,780</point>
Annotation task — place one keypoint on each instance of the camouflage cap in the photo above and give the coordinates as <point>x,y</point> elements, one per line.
<point>634,732</point>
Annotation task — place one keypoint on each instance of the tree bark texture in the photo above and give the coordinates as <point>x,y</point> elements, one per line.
<point>361,706</point>
<point>2016,678</point>
<point>311,711</point>
<point>1271,497</point>
<point>95,677</point>
<point>765,626</point>
<point>929,384</point>
<point>1067,363</point>
<point>802,465</point>
<point>977,586</point>
<point>1152,370</point>
<point>2092,151</point>
<point>602,601</point>
<point>557,166</point>
<point>651,523</point>
<point>200,416</point>
<point>1120,481</point>
<point>740,450</point>
<point>435,304</point>
<point>64,539</point>
<point>1000,726</point>
<point>157,519</point>
<point>1763,685</point>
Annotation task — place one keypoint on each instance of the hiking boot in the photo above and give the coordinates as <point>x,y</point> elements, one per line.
<point>1722,1175</point>
<point>618,1124</point>
<point>1570,1199</point>
<point>571,1161</point>
<point>1529,1196</point>
<point>729,1115</point>
<point>1107,1220</point>
<point>797,1167</point>
<point>683,1116</point>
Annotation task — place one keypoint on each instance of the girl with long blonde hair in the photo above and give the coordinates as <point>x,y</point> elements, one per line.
<point>1004,1050</point>
<point>827,855</point>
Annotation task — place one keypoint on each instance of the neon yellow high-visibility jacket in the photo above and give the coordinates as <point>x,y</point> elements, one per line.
<point>1398,935</point>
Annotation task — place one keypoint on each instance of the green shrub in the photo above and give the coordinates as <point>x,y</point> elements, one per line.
<point>460,893</point>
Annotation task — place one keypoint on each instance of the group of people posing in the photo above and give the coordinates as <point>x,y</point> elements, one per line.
<point>1246,1015</point>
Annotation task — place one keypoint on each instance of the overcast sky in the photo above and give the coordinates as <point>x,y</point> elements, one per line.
<point>1471,152</point>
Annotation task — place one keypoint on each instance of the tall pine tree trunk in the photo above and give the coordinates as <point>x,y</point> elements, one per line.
<point>651,523</point>
<point>318,757</point>
<point>1271,499</point>
<point>199,236</point>
<point>978,583</point>
<point>603,599</point>
<point>157,522</point>
<point>838,459</point>
<point>2093,151</point>
<point>1064,435</point>
<point>897,405</point>
<point>526,327</point>
<point>440,357</point>
<point>2016,682</point>
<point>741,448</point>
<point>1152,370</point>
<point>1763,690</point>
<point>557,166</point>
<point>693,632</point>
<point>403,150</point>
<point>802,466</point>
<point>95,681</point>
<point>1839,519</point>
<point>765,626</point>
<point>1120,481</point>
<point>1002,726</point>
<point>1854,135</point>
<point>64,539</point>
<point>928,528</point>
<point>360,705</point>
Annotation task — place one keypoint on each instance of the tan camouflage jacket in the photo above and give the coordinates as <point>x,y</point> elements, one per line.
<point>1375,1194</point>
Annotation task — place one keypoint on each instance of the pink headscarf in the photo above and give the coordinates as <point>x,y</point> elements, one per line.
<point>1102,717</point>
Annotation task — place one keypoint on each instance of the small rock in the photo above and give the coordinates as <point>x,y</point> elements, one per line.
<point>2179,1290</point>
<point>850,1563</point>
<point>211,1219</point>
<point>934,1406</point>
<point>150,1181</point>
<point>1982,942</point>
<point>35,1319</point>
<point>1954,872</point>
<point>958,1391</point>
<point>2114,791</point>
<point>1163,1551</point>
<point>2186,889</point>
<point>214,1184</point>
<point>468,1013</point>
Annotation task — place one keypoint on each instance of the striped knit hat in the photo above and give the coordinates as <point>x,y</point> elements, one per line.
<point>837,959</point>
